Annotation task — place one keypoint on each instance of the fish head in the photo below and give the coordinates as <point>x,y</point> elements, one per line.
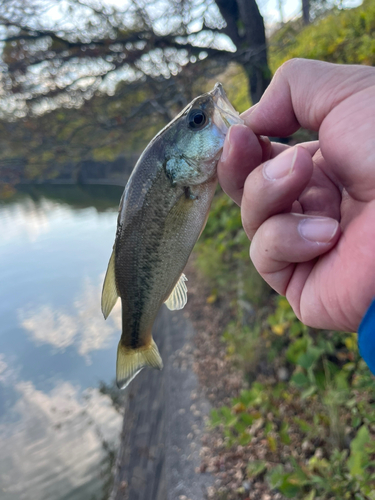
<point>196,136</point>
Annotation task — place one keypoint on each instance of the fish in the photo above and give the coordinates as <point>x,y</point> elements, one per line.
<point>162,212</point>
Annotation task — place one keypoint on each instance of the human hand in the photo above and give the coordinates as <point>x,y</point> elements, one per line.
<point>310,209</point>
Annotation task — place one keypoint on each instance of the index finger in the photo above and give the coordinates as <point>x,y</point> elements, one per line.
<point>243,151</point>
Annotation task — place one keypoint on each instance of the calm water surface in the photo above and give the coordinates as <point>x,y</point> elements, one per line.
<point>58,430</point>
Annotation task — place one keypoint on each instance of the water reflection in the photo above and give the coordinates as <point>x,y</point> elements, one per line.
<point>84,328</point>
<point>56,445</point>
<point>25,217</point>
<point>3,366</point>
<point>57,424</point>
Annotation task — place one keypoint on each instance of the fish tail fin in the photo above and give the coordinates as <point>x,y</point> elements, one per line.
<point>131,361</point>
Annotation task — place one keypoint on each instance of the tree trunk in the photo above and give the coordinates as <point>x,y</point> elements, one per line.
<point>306,12</point>
<point>281,11</point>
<point>254,59</point>
<point>259,78</point>
<point>245,27</point>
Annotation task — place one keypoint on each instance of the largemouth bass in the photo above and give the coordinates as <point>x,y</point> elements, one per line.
<point>162,213</point>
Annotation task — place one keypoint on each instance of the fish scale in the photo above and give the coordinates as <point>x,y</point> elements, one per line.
<point>162,214</point>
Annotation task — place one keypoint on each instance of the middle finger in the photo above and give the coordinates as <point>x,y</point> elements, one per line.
<point>274,186</point>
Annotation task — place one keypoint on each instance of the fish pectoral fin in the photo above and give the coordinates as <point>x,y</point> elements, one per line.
<point>131,361</point>
<point>178,297</point>
<point>109,293</point>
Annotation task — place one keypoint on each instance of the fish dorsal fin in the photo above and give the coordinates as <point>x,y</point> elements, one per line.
<point>178,297</point>
<point>109,293</point>
<point>131,361</point>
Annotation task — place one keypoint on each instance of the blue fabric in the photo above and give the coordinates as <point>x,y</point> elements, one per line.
<point>366,337</point>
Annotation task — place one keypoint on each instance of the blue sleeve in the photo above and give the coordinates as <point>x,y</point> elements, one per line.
<point>366,337</point>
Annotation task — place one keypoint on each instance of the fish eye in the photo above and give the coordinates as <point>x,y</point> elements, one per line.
<point>197,119</point>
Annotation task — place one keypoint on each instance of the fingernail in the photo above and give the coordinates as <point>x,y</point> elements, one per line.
<point>227,146</point>
<point>318,230</point>
<point>280,166</point>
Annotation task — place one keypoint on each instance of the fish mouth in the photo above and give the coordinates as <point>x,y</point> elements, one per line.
<point>224,115</point>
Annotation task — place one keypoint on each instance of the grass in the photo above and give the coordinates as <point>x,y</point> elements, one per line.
<point>310,395</point>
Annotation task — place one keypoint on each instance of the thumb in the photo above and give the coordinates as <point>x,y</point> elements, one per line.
<point>302,93</point>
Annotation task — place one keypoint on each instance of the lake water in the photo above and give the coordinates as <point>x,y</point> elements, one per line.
<point>59,428</point>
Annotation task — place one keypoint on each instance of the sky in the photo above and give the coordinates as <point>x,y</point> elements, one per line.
<point>270,8</point>
<point>291,8</point>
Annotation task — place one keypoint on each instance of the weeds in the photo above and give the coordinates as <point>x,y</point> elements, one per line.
<point>318,426</point>
<point>308,416</point>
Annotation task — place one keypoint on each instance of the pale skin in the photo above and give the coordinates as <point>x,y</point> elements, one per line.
<point>309,210</point>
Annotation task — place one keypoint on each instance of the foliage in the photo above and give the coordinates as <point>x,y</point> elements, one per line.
<point>340,475</point>
<point>101,137</point>
<point>342,36</point>
<point>69,144</point>
<point>104,137</point>
<point>319,425</point>
<point>62,53</point>
<point>310,396</point>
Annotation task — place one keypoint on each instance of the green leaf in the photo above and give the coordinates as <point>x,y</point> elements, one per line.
<point>356,420</point>
<point>288,489</point>
<point>256,468</point>
<point>355,464</point>
<point>276,476</point>
<point>298,478</point>
<point>252,396</point>
<point>246,418</point>
<point>215,418</point>
<point>272,443</point>
<point>308,392</point>
<point>244,439</point>
<point>310,496</point>
<point>240,427</point>
<point>361,440</point>
<point>303,425</point>
<point>300,380</point>
<point>296,328</point>
<point>268,428</point>
<point>307,359</point>
<point>228,417</point>
<point>359,457</point>
<point>295,349</point>
<point>341,380</point>
<point>284,433</point>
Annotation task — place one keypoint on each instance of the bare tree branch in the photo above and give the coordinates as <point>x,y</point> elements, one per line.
<point>44,61</point>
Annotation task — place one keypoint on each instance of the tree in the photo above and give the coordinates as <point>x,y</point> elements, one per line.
<point>312,9</point>
<point>100,141</point>
<point>51,59</point>
<point>306,12</point>
<point>245,28</point>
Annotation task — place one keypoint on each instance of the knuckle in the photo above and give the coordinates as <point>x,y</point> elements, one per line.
<point>254,254</point>
<point>290,66</point>
<point>249,227</point>
<point>263,243</point>
<point>269,239</point>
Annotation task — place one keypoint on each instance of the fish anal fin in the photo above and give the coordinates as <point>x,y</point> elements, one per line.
<point>109,293</point>
<point>131,361</point>
<point>178,297</point>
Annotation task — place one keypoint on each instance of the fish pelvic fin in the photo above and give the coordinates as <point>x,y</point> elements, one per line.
<point>178,297</point>
<point>131,361</point>
<point>109,293</point>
